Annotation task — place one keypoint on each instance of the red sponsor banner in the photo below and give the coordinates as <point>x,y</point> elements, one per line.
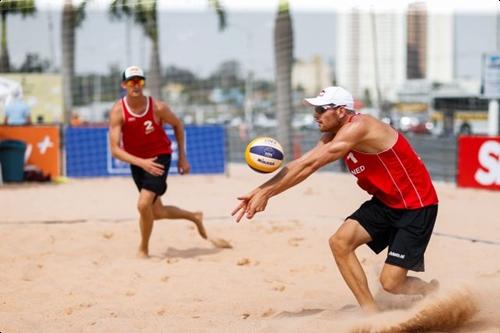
<point>479,162</point>
<point>42,145</point>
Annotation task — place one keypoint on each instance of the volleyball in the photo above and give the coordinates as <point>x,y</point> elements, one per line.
<point>264,154</point>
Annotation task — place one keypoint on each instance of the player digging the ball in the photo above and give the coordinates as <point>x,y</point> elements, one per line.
<point>403,208</point>
<point>137,122</point>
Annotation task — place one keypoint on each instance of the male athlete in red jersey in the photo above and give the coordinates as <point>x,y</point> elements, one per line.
<point>401,213</point>
<point>137,122</point>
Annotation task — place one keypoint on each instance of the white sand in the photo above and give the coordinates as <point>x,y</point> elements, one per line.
<point>79,272</point>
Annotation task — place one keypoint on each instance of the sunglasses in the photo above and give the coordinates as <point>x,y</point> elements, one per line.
<point>323,108</point>
<point>132,82</point>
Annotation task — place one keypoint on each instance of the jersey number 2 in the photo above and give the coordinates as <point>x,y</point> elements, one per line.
<point>149,126</point>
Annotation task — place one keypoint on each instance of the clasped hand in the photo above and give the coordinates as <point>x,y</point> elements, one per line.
<point>251,203</point>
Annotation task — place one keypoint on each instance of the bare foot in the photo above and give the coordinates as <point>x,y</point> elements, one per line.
<point>143,254</point>
<point>199,224</point>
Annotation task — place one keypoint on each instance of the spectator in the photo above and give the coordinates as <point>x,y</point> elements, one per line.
<point>75,119</point>
<point>17,112</point>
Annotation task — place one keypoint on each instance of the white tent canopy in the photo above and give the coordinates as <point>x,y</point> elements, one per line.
<point>7,90</point>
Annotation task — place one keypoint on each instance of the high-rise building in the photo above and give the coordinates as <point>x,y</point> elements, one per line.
<point>416,42</point>
<point>371,53</point>
<point>440,47</point>
<point>377,52</point>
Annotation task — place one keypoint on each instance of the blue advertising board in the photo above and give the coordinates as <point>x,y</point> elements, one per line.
<point>88,155</point>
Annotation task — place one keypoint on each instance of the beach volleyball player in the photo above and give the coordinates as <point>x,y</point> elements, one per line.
<point>401,212</point>
<point>136,136</point>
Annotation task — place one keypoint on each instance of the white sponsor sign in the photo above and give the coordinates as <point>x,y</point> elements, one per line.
<point>491,75</point>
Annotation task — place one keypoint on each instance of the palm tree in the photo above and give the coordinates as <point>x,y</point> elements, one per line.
<point>23,7</point>
<point>283,56</point>
<point>144,13</point>
<point>72,17</point>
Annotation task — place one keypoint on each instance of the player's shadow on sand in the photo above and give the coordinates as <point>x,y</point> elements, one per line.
<point>193,252</point>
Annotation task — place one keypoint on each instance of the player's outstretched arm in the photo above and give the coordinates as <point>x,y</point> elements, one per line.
<point>292,174</point>
<point>329,149</point>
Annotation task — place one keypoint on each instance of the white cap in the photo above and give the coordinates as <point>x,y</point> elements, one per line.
<point>132,71</point>
<point>333,95</point>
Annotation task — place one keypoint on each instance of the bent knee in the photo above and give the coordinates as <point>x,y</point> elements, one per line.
<point>143,206</point>
<point>340,245</point>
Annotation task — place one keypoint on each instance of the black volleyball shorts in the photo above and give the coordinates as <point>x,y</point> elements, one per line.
<point>405,231</point>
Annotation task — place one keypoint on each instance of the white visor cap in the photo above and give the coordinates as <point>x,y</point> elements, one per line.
<point>132,71</point>
<point>333,95</point>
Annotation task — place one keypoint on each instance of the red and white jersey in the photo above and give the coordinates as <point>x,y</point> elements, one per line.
<point>396,176</point>
<point>142,135</point>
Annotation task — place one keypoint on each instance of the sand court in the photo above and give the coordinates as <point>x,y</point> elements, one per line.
<point>68,259</point>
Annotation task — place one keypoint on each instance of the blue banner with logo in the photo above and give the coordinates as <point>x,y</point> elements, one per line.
<point>88,154</point>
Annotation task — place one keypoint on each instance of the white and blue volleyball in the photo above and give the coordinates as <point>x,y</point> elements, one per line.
<point>264,154</point>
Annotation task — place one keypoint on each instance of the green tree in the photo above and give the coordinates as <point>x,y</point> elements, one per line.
<point>228,75</point>
<point>144,13</point>
<point>33,63</point>
<point>72,18</point>
<point>283,56</point>
<point>179,75</point>
<point>10,7</point>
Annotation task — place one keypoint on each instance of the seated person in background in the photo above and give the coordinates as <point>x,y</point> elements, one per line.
<point>17,112</point>
<point>75,119</point>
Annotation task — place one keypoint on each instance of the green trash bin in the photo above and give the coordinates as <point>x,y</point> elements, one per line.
<point>12,160</point>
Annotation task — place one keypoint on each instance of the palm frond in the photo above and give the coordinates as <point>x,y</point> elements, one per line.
<point>221,13</point>
<point>23,7</point>
<point>79,14</point>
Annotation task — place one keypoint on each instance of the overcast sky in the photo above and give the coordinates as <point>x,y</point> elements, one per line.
<point>190,38</point>
<point>309,5</point>
<point>187,39</point>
